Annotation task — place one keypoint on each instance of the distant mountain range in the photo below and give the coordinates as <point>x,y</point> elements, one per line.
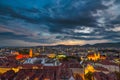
<point>98,45</point>
<point>103,45</point>
<point>95,45</point>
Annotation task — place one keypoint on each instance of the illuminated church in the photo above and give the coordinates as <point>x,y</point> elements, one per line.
<point>20,56</point>
<point>96,56</point>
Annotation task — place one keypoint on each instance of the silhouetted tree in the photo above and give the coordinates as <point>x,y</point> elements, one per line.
<point>88,76</point>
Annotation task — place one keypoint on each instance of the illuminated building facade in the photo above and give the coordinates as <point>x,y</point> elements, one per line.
<point>89,68</point>
<point>20,56</point>
<point>96,56</point>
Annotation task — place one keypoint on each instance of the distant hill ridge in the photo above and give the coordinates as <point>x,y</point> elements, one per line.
<point>103,45</point>
<point>117,45</point>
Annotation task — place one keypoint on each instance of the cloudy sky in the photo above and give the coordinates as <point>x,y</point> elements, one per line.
<point>51,22</point>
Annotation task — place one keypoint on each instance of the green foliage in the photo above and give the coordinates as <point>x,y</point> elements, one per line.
<point>24,51</point>
<point>71,57</point>
<point>118,75</point>
<point>88,76</point>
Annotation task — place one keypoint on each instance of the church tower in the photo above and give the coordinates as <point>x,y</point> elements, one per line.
<point>31,53</point>
<point>98,55</point>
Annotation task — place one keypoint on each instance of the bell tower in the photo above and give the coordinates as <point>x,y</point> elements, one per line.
<point>31,53</point>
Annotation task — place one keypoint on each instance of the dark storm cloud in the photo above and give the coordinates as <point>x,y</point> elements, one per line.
<point>55,20</point>
<point>9,35</point>
<point>76,18</point>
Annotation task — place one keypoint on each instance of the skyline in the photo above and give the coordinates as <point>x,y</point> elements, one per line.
<point>53,22</point>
